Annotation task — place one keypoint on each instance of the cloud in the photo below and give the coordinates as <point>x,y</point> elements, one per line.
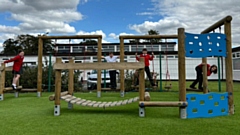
<point>39,16</point>
<point>194,16</point>
<point>97,32</point>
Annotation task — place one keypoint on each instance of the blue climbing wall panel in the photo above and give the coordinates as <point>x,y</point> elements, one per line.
<point>204,45</point>
<point>207,105</point>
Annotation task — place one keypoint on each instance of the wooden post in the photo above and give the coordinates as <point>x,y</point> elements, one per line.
<point>205,81</point>
<point>122,71</point>
<point>39,79</point>
<point>70,83</point>
<point>141,82</point>
<point>229,69</point>
<point>2,81</point>
<point>58,82</point>
<point>141,89</point>
<point>70,79</point>
<point>99,77</point>
<point>182,71</point>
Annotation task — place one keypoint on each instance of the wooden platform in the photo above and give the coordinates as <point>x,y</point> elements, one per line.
<point>109,89</point>
<point>28,90</point>
<point>90,103</point>
<point>10,88</point>
<point>163,104</point>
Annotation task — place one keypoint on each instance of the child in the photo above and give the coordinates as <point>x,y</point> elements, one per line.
<point>147,70</point>
<point>199,79</point>
<point>112,72</point>
<point>17,68</point>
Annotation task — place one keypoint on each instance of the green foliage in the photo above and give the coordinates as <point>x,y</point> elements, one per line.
<point>29,79</point>
<point>27,43</point>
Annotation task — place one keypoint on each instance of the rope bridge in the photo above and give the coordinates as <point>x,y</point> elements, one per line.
<point>84,102</point>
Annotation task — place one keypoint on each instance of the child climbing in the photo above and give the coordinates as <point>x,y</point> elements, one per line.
<point>199,72</point>
<point>17,67</point>
<point>147,70</point>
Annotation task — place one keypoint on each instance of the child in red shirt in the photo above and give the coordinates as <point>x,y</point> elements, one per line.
<point>147,70</point>
<point>199,79</point>
<point>17,67</point>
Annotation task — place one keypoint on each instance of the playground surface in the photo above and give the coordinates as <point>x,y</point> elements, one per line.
<point>30,115</point>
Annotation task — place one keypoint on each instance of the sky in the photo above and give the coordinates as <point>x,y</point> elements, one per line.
<point>111,18</point>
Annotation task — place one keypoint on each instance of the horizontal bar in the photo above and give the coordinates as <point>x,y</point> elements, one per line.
<point>148,36</point>
<point>8,68</point>
<point>1,68</point>
<point>71,37</point>
<point>99,65</point>
<point>163,104</point>
<point>10,88</point>
<point>217,24</point>
<point>28,90</point>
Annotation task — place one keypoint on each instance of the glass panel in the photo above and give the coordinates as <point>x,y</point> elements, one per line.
<point>236,64</point>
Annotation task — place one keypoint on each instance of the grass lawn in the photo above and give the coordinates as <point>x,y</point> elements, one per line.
<point>29,115</point>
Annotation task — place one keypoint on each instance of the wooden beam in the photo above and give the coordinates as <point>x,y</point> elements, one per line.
<point>72,37</point>
<point>181,70</point>
<point>181,65</point>
<point>28,90</point>
<point>229,68</point>
<point>8,68</point>
<point>205,81</point>
<point>217,24</point>
<point>122,78</point>
<point>163,104</point>
<point>2,67</point>
<point>148,36</point>
<point>10,88</point>
<point>99,73</point>
<point>141,82</point>
<point>58,83</point>
<point>99,65</point>
<point>70,79</point>
<point>40,54</point>
<point>2,77</point>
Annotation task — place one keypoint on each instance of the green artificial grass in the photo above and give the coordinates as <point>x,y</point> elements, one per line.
<point>29,115</point>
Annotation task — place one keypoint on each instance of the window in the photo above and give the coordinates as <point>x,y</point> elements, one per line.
<point>5,58</point>
<point>78,49</point>
<point>137,48</point>
<point>78,61</point>
<point>165,47</point>
<point>236,64</point>
<point>170,56</point>
<point>63,49</point>
<point>238,55</point>
<point>158,56</point>
<point>126,48</point>
<point>233,55</point>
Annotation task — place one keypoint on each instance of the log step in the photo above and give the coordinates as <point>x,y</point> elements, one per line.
<point>163,104</point>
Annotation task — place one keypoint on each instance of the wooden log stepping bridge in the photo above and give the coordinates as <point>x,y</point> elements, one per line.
<point>163,104</point>
<point>101,104</point>
<point>19,88</point>
<point>90,103</point>
<point>84,102</point>
<point>52,97</point>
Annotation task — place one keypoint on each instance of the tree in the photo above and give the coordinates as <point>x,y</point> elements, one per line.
<point>154,40</point>
<point>134,41</point>
<point>27,43</point>
<point>88,41</point>
<point>11,46</point>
